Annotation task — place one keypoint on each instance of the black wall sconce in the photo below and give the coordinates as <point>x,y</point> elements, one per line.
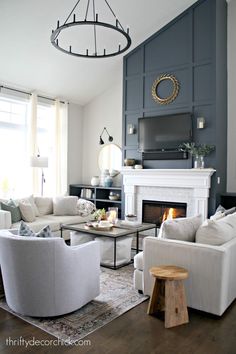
<point>110,138</point>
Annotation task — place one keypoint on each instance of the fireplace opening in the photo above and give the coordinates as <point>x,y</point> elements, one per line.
<point>156,212</point>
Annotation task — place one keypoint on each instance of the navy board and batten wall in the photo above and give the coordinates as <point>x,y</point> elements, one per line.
<point>193,48</point>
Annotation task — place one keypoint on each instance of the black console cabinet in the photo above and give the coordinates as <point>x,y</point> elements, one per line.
<point>228,200</point>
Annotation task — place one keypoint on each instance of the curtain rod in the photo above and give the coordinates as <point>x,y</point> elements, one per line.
<point>28,93</point>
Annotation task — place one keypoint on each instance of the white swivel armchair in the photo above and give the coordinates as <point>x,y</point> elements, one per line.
<point>44,277</point>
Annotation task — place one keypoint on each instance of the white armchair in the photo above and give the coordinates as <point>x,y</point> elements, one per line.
<point>5,219</point>
<point>211,286</point>
<point>45,277</point>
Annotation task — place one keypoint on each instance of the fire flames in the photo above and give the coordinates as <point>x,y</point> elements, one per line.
<point>169,214</point>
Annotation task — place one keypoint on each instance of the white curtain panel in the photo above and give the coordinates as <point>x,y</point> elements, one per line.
<point>60,147</point>
<point>32,140</point>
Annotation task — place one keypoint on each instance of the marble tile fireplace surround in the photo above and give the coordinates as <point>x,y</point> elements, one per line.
<point>190,186</point>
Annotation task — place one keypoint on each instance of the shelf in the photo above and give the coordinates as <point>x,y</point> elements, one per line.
<point>100,195</point>
<point>108,201</point>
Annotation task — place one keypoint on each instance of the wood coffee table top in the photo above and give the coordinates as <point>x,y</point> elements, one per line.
<point>169,272</point>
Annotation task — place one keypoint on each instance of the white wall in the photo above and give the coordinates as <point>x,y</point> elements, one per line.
<point>231,161</point>
<point>75,146</point>
<point>104,111</point>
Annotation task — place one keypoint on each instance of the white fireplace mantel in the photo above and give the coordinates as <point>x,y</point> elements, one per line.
<point>177,185</point>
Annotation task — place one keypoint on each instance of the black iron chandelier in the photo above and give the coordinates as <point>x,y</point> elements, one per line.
<point>90,18</point>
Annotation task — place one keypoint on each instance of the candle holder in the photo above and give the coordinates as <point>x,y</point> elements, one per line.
<point>112,215</point>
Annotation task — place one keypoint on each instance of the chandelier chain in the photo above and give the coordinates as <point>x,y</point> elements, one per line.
<point>71,12</point>
<point>94,30</point>
<point>86,15</point>
<point>113,13</point>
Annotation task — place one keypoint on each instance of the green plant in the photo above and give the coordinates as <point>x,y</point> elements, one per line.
<point>197,150</point>
<point>99,214</point>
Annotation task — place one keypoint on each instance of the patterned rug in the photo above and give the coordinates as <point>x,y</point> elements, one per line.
<point>117,297</point>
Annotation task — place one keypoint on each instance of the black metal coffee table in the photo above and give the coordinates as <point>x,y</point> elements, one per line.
<point>115,233</point>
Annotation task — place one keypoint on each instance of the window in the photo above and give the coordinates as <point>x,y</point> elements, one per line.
<point>14,165</point>
<point>20,139</point>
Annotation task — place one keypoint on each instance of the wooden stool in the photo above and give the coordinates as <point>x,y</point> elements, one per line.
<point>168,294</point>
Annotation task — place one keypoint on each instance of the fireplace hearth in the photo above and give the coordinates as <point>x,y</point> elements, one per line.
<point>156,212</point>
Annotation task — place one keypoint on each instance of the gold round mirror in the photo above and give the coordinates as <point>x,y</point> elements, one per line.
<point>174,93</point>
<point>110,157</point>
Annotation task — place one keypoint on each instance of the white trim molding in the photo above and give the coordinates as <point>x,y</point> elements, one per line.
<point>190,186</point>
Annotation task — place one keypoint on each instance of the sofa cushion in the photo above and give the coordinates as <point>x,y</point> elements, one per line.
<point>44,205</point>
<point>41,222</point>
<point>85,207</point>
<point>217,232</point>
<point>13,209</point>
<point>65,205</point>
<point>183,229</point>
<point>27,211</point>
<point>66,219</point>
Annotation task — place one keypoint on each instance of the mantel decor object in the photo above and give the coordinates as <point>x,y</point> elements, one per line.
<point>198,152</point>
<point>175,90</point>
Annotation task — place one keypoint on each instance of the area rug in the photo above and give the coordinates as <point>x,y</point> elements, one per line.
<point>117,297</point>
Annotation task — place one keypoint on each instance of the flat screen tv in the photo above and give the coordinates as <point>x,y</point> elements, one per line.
<point>164,133</point>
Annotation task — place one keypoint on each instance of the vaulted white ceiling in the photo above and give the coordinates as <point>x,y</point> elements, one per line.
<point>29,61</point>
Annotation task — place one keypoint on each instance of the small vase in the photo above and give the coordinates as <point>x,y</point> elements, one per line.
<point>108,181</point>
<point>199,161</point>
<point>95,181</point>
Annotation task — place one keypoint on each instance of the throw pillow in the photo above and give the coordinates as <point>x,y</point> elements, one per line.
<point>221,212</point>
<point>65,205</point>
<point>28,200</point>
<point>230,220</point>
<point>44,205</point>
<point>45,232</point>
<point>13,209</point>
<point>215,233</point>
<point>85,207</point>
<point>32,202</point>
<point>183,229</point>
<point>218,215</point>
<point>24,230</point>
<point>27,212</point>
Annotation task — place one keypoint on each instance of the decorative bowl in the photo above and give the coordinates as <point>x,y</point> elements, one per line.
<point>131,217</point>
<point>114,197</point>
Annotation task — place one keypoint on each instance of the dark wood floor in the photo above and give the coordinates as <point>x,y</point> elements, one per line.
<point>135,332</point>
